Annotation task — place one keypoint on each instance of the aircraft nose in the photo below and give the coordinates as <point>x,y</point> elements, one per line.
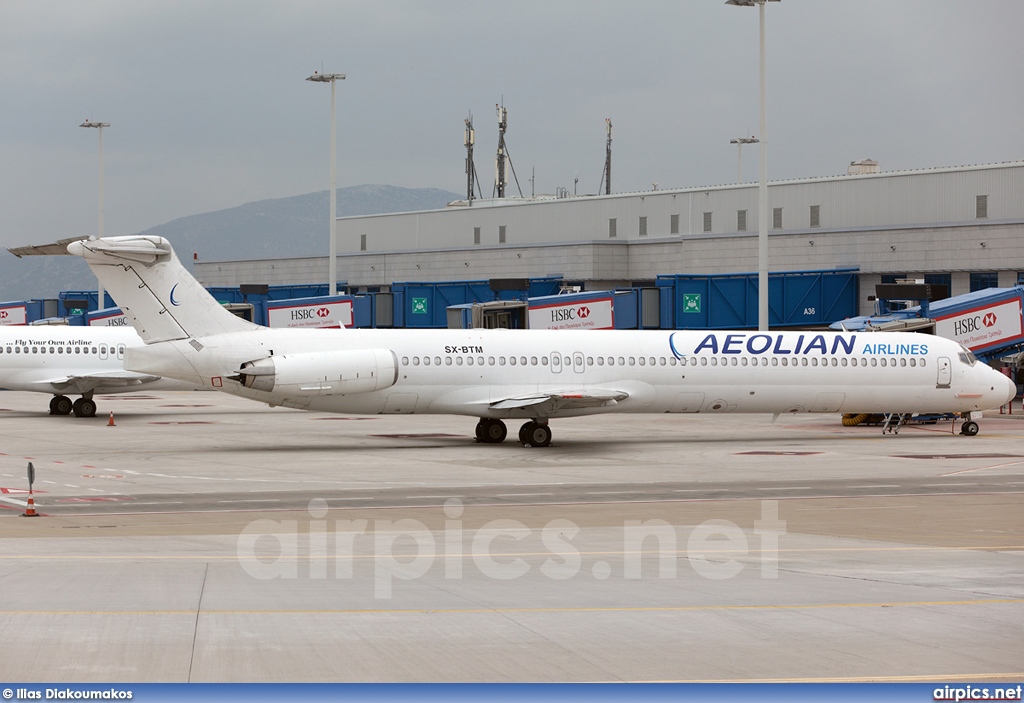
<point>1011,389</point>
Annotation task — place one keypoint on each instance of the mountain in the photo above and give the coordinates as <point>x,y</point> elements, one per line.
<point>281,227</point>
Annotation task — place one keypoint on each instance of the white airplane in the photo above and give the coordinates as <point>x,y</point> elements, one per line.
<point>64,360</point>
<point>534,375</point>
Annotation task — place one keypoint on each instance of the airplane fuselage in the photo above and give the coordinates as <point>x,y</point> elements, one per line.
<point>46,358</point>
<point>533,374</point>
<point>477,372</point>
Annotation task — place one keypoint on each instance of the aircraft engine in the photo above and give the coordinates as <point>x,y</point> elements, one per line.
<point>321,373</point>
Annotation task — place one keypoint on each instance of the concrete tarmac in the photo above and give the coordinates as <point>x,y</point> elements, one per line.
<point>207,538</point>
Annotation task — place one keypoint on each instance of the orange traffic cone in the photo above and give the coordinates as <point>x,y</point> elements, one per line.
<point>110,422</point>
<point>30,511</point>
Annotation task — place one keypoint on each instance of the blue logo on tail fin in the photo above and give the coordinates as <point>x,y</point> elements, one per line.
<point>173,301</point>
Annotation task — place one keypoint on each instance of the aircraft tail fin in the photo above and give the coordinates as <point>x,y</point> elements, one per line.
<point>159,296</point>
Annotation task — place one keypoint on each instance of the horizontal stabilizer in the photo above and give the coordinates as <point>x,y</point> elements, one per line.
<point>144,250</point>
<point>58,248</point>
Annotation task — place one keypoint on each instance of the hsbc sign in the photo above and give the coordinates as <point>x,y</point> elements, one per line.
<point>14,315</point>
<point>590,314</point>
<point>109,319</point>
<point>985,326</point>
<point>333,314</point>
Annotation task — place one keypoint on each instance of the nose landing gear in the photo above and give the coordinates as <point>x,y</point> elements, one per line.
<point>969,428</point>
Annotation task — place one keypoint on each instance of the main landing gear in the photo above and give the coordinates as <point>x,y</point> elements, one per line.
<point>532,434</point>
<point>491,431</point>
<point>60,405</point>
<point>83,407</point>
<point>535,434</point>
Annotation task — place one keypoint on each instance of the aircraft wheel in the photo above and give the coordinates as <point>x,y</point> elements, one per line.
<point>524,432</point>
<point>60,405</point>
<point>84,407</point>
<point>535,434</point>
<point>480,430</point>
<point>493,431</point>
<point>969,428</point>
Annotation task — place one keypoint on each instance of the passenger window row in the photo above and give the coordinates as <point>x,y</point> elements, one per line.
<point>667,361</point>
<point>803,361</point>
<point>102,350</point>
<point>534,361</point>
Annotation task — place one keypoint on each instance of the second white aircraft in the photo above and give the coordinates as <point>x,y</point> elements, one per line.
<point>66,361</point>
<point>532,375</point>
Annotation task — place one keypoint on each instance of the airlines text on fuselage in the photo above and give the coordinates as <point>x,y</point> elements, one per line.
<point>757,344</point>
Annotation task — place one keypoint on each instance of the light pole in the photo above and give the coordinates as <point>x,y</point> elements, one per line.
<point>739,159</point>
<point>762,188</point>
<point>332,263</point>
<point>100,293</point>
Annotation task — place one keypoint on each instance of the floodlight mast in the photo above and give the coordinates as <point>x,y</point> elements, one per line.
<point>762,189</point>
<point>100,293</point>
<point>739,159</point>
<point>332,262</point>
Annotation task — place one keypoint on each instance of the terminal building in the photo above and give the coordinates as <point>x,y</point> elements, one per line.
<point>960,227</point>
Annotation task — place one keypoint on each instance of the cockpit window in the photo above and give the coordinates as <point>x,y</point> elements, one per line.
<point>968,357</point>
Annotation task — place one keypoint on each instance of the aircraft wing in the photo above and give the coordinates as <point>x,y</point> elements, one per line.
<point>553,401</point>
<point>83,383</point>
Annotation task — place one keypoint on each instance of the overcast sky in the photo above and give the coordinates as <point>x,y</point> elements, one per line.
<point>209,108</point>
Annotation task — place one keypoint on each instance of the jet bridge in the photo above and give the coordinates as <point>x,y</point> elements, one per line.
<point>988,322</point>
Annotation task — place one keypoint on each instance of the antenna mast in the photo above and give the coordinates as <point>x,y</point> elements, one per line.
<point>470,165</point>
<point>606,177</point>
<point>503,157</point>
<point>500,176</point>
